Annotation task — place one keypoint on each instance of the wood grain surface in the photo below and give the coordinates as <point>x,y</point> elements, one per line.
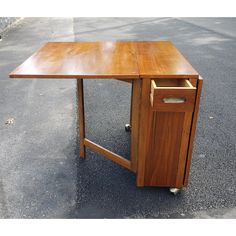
<point>164,146</point>
<point>161,59</point>
<point>111,59</point>
<point>80,60</point>
<point>162,132</point>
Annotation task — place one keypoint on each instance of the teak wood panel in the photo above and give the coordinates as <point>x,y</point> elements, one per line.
<point>80,60</point>
<point>167,148</point>
<point>161,59</point>
<point>193,129</point>
<point>106,59</point>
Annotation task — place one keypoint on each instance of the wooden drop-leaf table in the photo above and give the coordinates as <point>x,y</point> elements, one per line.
<point>165,98</point>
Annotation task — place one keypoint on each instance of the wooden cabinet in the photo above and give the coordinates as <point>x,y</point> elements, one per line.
<point>172,105</point>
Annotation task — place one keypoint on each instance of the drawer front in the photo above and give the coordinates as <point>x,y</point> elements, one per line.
<point>177,98</point>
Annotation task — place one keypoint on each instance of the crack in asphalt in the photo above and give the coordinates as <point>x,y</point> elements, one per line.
<point>206,28</point>
<point>120,26</point>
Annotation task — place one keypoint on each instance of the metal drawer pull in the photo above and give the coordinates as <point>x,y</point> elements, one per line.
<point>174,100</point>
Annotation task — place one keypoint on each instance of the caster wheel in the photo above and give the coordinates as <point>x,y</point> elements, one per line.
<point>127,127</point>
<point>175,191</point>
<point>82,158</point>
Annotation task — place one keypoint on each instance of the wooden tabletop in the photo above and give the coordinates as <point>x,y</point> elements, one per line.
<point>120,60</point>
<point>80,60</point>
<point>161,59</point>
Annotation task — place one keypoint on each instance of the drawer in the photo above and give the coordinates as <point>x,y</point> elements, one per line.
<point>177,95</point>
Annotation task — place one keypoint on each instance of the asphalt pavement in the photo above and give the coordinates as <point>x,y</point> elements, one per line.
<point>41,175</point>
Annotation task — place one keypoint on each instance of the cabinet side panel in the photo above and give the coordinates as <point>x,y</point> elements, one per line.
<point>164,148</point>
<point>193,128</point>
<point>184,149</point>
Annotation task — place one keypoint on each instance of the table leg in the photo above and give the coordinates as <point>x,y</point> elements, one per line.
<point>80,116</point>
<point>131,103</point>
<point>129,126</point>
<point>135,114</point>
<point>143,130</point>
